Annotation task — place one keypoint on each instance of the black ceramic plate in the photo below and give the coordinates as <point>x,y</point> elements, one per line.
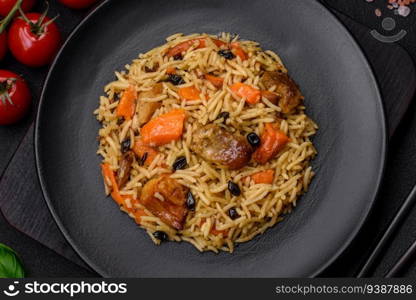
<point>341,96</point>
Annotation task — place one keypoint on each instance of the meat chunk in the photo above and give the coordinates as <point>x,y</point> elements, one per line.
<point>123,172</point>
<point>217,145</point>
<point>145,110</point>
<point>165,198</point>
<point>286,89</point>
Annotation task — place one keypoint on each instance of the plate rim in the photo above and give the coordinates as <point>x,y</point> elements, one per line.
<point>323,267</point>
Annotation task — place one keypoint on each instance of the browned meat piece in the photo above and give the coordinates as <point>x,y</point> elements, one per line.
<point>287,90</point>
<point>220,146</point>
<point>145,110</point>
<point>272,97</point>
<point>165,198</point>
<point>123,172</point>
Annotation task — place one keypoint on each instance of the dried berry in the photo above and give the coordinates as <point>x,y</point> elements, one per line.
<point>176,79</point>
<point>234,188</point>
<point>223,115</point>
<point>160,235</point>
<point>190,201</point>
<point>232,212</point>
<point>143,159</point>
<point>177,57</point>
<point>253,139</point>
<point>125,145</point>
<point>180,163</point>
<point>227,54</point>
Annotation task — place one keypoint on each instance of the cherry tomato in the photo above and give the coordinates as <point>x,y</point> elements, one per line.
<point>15,97</point>
<point>78,4</point>
<point>33,41</point>
<point>3,45</point>
<point>7,5</point>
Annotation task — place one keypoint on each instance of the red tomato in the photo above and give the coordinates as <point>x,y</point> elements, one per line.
<point>78,4</point>
<point>3,45</point>
<point>31,43</point>
<point>7,5</point>
<point>14,97</point>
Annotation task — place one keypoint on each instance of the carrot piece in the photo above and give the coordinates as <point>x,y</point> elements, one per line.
<point>184,46</point>
<point>140,149</point>
<point>263,177</point>
<point>164,129</point>
<point>216,81</point>
<point>138,214</point>
<point>251,94</point>
<point>272,141</point>
<point>237,50</point>
<point>117,197</point>
<point>219,43</point>
<point>127,104</point>
<point>170,70</point>
<point>189,93</point>
<point>218,232</point>
<point>108,175</point>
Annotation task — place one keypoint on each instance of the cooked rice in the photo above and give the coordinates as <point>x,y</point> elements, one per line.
<point>260,206</point>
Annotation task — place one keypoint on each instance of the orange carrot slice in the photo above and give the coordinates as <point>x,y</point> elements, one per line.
<point>189,93</point>
<point>164,129</point>
<point>219,43</point>
<point>117,197</point>
<point>127,104</point>
<point>141,149</point>
<point>251,94</point>
<point>170,70</point>
<point>184,46</point>
<point>237,50</point>
<point>216,81</point>
<point>272,141</point>
<point>263,177</point>
<point>138,214</point>
<point>110,177</point>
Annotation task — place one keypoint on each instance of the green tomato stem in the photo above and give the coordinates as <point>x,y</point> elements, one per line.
<point>9,17</point>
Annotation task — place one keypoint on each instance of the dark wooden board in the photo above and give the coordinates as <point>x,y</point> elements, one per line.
<point>23,206</point>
